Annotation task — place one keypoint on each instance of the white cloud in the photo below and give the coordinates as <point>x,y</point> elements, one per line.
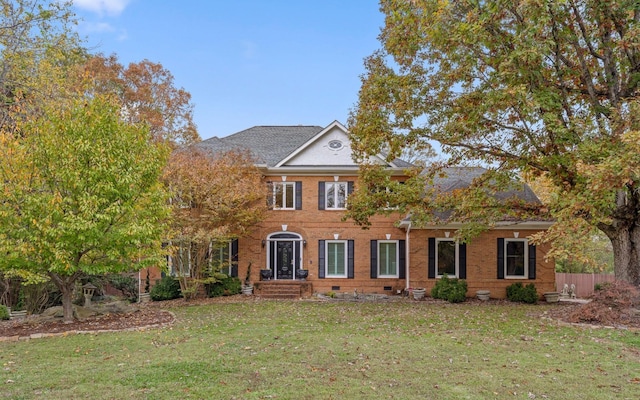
<point>109,7</point>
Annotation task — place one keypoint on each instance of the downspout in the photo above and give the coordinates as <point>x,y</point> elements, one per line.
<point>406,256</point>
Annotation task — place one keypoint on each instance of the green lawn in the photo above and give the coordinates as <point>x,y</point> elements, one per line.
<point>313,350</point>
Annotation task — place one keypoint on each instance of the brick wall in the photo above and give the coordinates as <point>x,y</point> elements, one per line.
<point>314,225</point>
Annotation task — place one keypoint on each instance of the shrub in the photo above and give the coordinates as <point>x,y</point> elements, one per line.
<point>453,290</point>
<point>522,294</point>
<point>40,296</point>
<point>167,288</point>
<point>128,285</point>
<point>225,287</point>
<point>4,312</point>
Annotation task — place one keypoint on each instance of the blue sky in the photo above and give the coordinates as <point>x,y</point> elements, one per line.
<point>245,62</point>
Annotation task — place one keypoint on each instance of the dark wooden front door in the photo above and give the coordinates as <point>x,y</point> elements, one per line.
<point>284,259</point>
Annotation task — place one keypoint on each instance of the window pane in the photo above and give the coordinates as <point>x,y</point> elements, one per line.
<point>278,194</point>
<point>220,258</point>
<point>289,195</point>
<point>342,195</point>
<point>335,259</point>
<point>515,258</point>
<point>447,257</point>
<point>331,203</point>
<point>387,259</point>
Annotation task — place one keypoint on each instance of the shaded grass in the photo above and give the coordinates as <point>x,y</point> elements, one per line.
<point>307,350</point>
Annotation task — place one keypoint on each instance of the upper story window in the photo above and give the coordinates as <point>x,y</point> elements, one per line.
<point>336,195</point>
<point>285,195</point>
<point>333,195</point>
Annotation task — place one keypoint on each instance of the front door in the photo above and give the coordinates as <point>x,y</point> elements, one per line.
<point>284,259</point>
<point>284,254</point>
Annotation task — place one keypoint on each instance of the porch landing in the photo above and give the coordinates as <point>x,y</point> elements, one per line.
<point>283,289</point>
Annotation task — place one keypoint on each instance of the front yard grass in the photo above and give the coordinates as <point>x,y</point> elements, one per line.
<point>314,350</point>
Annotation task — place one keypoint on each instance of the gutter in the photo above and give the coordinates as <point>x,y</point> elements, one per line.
<point>407,256</point>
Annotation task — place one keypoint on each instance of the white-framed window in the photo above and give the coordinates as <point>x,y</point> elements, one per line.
<point>180,261</point>
<point>447,257</point>
<point>284,195</point>
<point>220,257</point>
<point>336,195</point>
<point>516,258</point>
<point>388,258</point>
<point>336,258</point>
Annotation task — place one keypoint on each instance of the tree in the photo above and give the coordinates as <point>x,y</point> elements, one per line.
<point>37,46</point>
<point>147,93</point>
<point>81,195</point>
<point>215,198</point>
<point>539,88</point>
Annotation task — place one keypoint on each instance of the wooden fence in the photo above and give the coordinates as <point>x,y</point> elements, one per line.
<point>584,282</point>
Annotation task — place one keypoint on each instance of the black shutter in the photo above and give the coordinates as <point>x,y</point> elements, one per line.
<point>462,261</point>
<point>374,259</point>
<point>298,195</point>
<point>270,195</point>
<point>431,266</point>
<point>402,269</point>
<point>532,261</point>
<point>350,263</point>
<point>500,258</point>
<point>321,205</point>
<point>234,258</point>
<point>321,261</point>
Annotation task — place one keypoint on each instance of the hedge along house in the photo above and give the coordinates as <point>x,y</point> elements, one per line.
<point>309,172</point>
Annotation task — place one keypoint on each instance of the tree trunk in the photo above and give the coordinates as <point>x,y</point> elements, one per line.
<point>66,286</point>
<point>625,239</point>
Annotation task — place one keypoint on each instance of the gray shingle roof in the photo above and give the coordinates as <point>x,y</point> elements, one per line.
<point>268,144</point>
<point>461,177</point>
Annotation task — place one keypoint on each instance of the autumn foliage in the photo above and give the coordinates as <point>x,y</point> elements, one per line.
<point>148,95</point>
<point>215,198</point>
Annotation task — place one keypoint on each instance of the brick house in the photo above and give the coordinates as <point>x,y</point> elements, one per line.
<point>310,173</point>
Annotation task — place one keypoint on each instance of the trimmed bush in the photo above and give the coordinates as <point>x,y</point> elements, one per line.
<point>522,294</point>
<point>225,287</point>
<point>453,290</point>
<point>167,288</point>
<point>4,312</point>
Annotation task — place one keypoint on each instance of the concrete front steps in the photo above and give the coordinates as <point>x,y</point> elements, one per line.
<point>283,289</point>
